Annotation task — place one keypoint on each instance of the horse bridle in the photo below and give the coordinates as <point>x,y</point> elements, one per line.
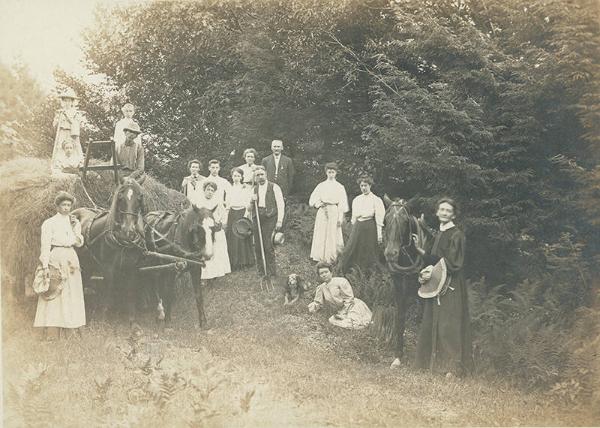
<point>404,248</point>
<point>175,243</point>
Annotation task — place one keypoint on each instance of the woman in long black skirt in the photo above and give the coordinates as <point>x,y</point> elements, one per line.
<point>241,251</point>
<point>368,213</point>
<point>444,343</point>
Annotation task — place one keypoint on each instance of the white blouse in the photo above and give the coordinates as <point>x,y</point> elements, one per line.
<point>63,161</point>
<point>239,196</point>
<point>330,192</point>
<point>248,173</point>
<point>215,205</point>
<point>368,206</point>
<point>57,231</point>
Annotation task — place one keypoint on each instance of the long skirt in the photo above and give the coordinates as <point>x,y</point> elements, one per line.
<point>444,343</point>
<point>218,265</point>
<point>328,240</point>
<point>241,252</point>
<point>358,316</point>
<point>361,250</point>
<point>67,310</point>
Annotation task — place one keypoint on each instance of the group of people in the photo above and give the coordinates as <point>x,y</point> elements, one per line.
<point>67,154</point>
<point>249,213</point>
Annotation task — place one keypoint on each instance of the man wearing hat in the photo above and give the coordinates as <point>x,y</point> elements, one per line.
<point>271,207</point>
<point>130,155</point>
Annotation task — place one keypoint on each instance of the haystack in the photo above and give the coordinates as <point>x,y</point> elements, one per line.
<point>27,192</point>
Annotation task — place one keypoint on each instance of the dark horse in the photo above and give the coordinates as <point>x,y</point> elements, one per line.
<point>188,235</point>
<point>114,241</point>
<point>403,262</point>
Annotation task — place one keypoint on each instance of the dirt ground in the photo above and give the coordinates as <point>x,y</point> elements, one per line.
<point>258,365</point>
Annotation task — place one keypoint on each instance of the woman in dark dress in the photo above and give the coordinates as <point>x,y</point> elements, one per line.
<point>238,199</point>
<point>444,343</point>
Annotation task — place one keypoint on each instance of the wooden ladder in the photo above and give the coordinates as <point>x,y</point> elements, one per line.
<point>115,167</point>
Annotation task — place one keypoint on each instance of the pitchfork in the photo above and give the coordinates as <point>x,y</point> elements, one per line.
<point>265,281</point>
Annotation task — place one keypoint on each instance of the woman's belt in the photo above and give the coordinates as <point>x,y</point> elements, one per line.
<point>52,247</point>
<point>238,208</point>
<point>365,218</point>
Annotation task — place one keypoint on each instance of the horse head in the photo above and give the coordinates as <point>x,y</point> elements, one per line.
<point>399,225</point>
<point>196,230</point>
<point>127,210</point>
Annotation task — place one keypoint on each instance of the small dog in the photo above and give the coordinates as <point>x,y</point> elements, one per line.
<point>294,288</point>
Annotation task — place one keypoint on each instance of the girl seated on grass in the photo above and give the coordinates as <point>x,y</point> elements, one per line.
<point>336,292</point>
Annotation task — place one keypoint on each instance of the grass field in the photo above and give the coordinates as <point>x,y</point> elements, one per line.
<point>259,364</point>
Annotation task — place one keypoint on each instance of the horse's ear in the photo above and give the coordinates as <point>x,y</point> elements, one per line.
<point>386,200</point>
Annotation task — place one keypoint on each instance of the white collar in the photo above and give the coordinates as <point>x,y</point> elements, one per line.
<point>276,156</point>
<point>447,226</point>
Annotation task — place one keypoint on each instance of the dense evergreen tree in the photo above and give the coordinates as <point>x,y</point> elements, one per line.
<point>468,98</point>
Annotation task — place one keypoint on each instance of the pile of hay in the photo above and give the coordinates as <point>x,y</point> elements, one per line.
<point>27,192</point>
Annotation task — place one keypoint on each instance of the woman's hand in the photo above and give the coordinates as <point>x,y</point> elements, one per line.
<point>425,274</point>
<point>418,244</point>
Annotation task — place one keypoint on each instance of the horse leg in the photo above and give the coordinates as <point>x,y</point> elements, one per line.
<point>167,295</point>
<point>131,284</point>
<point>196,274</point>
<point>90,308</point>
<point>402,304</point>
<point>108,298</point>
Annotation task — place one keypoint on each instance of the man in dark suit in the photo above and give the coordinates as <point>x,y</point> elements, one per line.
<point>280,168</point>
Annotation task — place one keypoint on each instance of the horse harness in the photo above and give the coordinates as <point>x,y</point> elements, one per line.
<point>168,240</point>
<point>404,247</point>
<point>110,238</point>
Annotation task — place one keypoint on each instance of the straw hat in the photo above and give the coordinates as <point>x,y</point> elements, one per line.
<point>437,283</point>
<point>278,238</point>
<point>242,228</point>
<point>49,288</point>
<point>133,127</point>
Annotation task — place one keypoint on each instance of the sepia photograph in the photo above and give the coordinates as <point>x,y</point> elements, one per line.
<point>299,213</point>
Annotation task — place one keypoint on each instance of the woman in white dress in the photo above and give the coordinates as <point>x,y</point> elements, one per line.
<point>336,292</point>
<point>60,234</point>
<point>192,185</point>
<point>237,200</point>
<point>330,198</point>
<point>218,265</point>
<point>67,122</point>
<point>248,168</point>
